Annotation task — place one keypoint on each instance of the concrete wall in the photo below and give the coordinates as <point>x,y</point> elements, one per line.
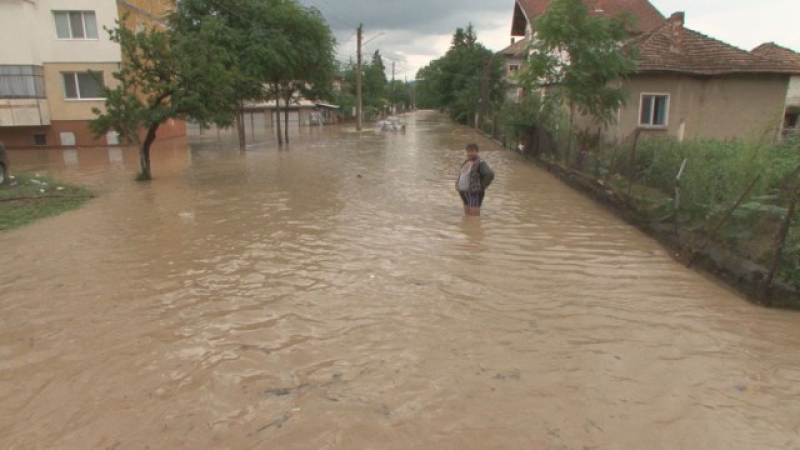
<point>60,107</point>
<point>793,98</point>
<point>719,107</point>
<point>28,32</point>
<point>17,19</point>
<point>15,112</point>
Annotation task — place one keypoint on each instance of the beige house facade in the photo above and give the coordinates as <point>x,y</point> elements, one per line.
<point>700,107</point>
<point>791,117</point>
<point>689,85</point>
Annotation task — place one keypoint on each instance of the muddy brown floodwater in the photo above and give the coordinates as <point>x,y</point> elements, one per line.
<point>332,296</point>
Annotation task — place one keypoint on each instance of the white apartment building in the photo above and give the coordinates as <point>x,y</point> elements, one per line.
<point>54,56</point>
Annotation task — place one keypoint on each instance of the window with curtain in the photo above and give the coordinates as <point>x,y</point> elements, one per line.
<point>83,85</point>
<point>21,81</point>
<point>75,24</point>
<point>653,110</point>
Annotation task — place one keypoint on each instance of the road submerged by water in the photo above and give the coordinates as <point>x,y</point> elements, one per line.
<point>332,296</point>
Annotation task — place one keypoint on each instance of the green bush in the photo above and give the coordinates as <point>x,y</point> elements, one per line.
<point>716,174</point>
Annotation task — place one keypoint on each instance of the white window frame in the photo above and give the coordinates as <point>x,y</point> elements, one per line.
<point>83,23</point>
<point>78,86</point>
<point>652,110</point>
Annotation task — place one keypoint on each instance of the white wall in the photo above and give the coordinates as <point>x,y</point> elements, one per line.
<point>28,33</point>
<point>16,39</point>
<point>794,92</point>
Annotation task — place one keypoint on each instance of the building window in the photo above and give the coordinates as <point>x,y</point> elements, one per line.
<point>40,139</point>
<point>791,122</point>
<point>67,138</point>
<point>21,81</point>
<point>513,68</point>
<point>653,110</point>
<point>75,24</point>
<point>83,85</point>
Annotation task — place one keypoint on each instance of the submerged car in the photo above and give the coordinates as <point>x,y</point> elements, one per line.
<point>3,164</point>
<point>392,123</point>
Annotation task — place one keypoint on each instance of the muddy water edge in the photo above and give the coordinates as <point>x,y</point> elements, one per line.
<point>332,296</point>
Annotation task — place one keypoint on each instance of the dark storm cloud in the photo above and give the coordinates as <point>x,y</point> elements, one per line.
<point>412,32</point>
<point>423,16</point>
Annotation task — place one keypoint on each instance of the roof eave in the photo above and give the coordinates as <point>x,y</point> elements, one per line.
<point>712,73</point>
<point>520,20</point>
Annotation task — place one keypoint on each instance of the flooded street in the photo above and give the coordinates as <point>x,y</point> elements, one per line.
<point>332,296</point>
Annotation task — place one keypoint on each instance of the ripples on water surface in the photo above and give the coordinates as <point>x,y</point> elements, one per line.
<point>332,297</point>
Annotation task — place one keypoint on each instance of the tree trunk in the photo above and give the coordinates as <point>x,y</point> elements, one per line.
<point>278,113</point>
<point>144,153</point>
<point>240,126</point>
<point>569,138</point>
<point>286,122</point>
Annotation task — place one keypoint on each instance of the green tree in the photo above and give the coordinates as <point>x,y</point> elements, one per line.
<point>250,35</point>
<point>165,76</point>
<point>399,94</point>
<point>312,60</point>
<point>584,56</point>
<point>464,81</point>
<point>374,86</point>
<point>279,49</point>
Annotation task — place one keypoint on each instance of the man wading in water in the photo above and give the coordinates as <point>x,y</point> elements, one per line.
<point>473,180</point>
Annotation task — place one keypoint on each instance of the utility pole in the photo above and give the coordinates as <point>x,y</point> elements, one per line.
<point>358,78</point>
<point>394,106</point>
<point>484,93</point>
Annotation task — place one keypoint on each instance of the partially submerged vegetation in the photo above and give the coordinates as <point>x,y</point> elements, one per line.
<point>730,205</point>
<point>27,197</point>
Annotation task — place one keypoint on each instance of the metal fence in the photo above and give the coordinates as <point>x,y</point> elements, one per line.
<point>730,203</point>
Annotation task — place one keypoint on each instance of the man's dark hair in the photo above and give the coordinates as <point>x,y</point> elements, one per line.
<point>472,146</point>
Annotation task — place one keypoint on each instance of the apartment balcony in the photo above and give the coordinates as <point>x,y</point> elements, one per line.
<point>22,97</point>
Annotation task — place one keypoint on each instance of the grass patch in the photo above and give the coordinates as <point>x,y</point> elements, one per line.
<point>27,198</point>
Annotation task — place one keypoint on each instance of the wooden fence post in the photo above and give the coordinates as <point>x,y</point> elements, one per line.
<point>780,239</point>
<point>725,218</point>
<point>678,193</point>
<point>632,161</point>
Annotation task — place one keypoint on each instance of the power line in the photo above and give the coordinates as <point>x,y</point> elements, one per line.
<point>342,21</point>
<point>348,39</point>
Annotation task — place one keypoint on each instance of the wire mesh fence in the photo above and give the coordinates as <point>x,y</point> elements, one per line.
<point>737,195</point>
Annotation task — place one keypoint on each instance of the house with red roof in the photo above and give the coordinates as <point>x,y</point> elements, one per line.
<point>644,15</point>
<point>791,118</point>
<point>687,84</point>
<point>514,55</point>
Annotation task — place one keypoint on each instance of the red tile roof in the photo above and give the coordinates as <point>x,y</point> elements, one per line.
<point>775,51</point>
<point>516,49</point>
<point>646,16</point>
<point>674,48</point>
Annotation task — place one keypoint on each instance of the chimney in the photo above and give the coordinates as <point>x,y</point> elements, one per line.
<point>676,21</point>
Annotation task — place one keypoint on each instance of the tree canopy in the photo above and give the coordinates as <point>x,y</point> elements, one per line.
<point>374,85</point>
<point>456,82</point>
<point>280,47</point>
<point>582,56</point>
<point>165,75</point>
<point>211,58</point>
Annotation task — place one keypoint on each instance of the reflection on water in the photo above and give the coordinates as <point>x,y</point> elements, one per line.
<point>331,295</point>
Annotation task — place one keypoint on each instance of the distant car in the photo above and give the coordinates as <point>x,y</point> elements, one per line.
<point>3,164</point>
<point>392,123</point>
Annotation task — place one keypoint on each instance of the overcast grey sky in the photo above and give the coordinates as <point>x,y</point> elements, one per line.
<point>413,32</point>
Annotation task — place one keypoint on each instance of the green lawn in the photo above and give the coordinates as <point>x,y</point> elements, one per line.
<point>27,198</point>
